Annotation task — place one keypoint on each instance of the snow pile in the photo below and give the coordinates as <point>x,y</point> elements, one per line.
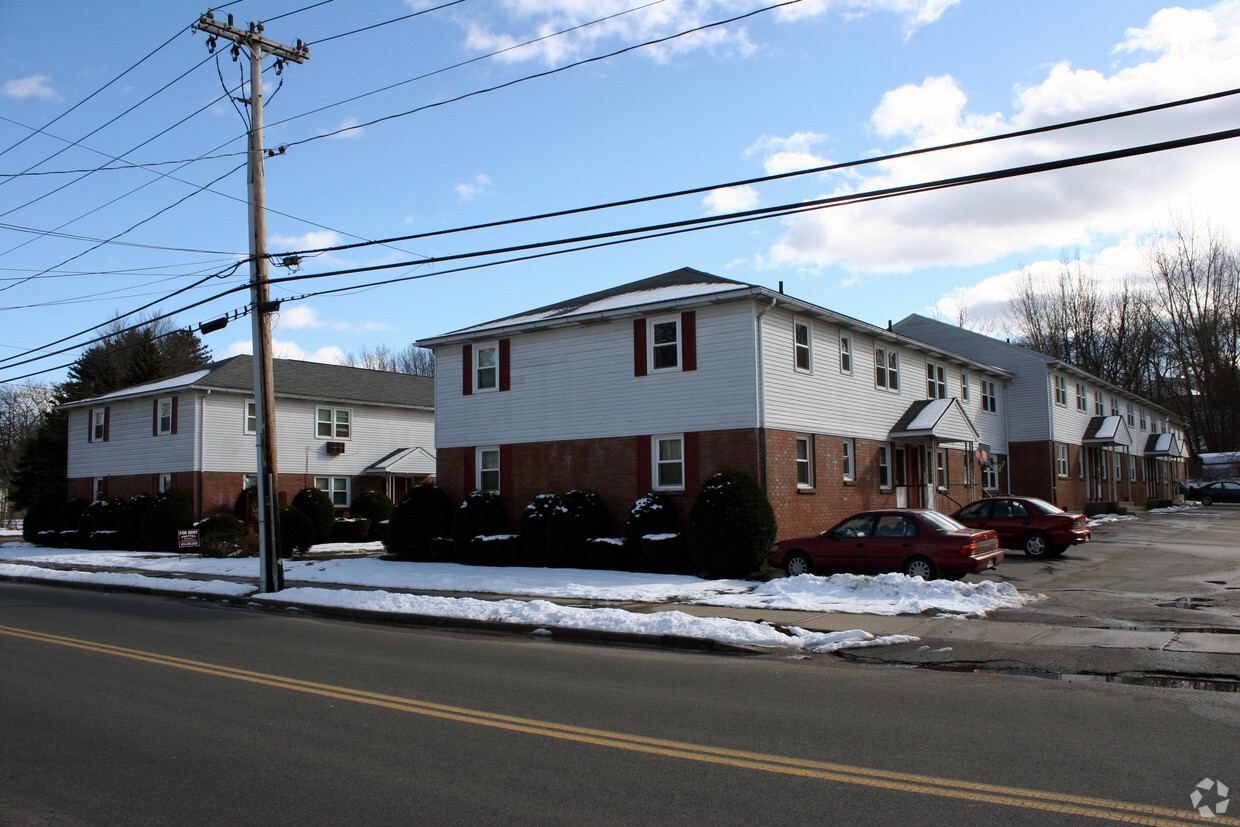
<point>214,588</point>
<point>544,613</point>
<point>884,594</point>
<point>1099,519</point>
<point>1176,509</point>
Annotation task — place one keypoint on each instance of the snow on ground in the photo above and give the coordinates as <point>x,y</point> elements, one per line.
<point>385,585</point>
<point>1099,519</point>
<point>884,594</point>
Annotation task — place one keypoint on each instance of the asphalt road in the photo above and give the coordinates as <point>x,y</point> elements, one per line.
<point>129,709</point>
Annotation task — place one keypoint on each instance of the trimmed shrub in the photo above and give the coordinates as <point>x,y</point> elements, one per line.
<point>533,528</point>
<point>354,530</point>
<point>101,515</point>
<point>41,517</point>
<point>374,506</point>
<point>580,516</point>
<point>315,504</point>
<point>605,553</point>
<point>731,525</point>
<point>667,553</point>
<point>496,550</point>
<point>652,514</point>
<point>480,515</point>
<point>241,506</point>
<point>443,550</point>
<point>296,532</point>
<point>68,519</point>
<point>423,514</point>
<point>130,524</point>
<point>223,535</point>
<point>171,511</point>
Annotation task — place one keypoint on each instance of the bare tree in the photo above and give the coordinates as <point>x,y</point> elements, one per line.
<point>1196,274</point>
<point>1111,334</point>
<point>22,408</point>
<point>414,360</point>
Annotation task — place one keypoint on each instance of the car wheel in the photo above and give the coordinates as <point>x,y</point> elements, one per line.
<point>1037,544</point>
<point>920,567</point>
<point>1207,500</point>
<point>798,563</point>
<point>1057,551</point>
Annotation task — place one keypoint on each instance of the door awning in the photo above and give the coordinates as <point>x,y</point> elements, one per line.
<point>943,419</point>
<point>1163,445</point>
<point>414,461</point>
<point>1107,430</point>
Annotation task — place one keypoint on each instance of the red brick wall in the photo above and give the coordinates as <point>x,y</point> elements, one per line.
<point>1030,469</point>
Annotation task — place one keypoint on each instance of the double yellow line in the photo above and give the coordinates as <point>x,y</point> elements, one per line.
<point>1100,808</point>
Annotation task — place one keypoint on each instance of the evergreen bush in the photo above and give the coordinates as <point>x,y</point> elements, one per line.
<point>101,515</point>
<point>223,535</point>
<point>652,514</point>
<point>374,506</point>
<point>68,518</point>
<point>354,530</point>
<point>731,525</point>
<point>480,515</point>
<point>317,505</point>
<point>423,514</point>
<point>296,532</point>
<point>41,517</point>
<point>496,550</point>
<point>580,516</point>
<point>130,524</point>
<point>168,513</point>
<point>533,528</point>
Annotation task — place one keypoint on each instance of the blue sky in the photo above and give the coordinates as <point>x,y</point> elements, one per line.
<point>811,83</point>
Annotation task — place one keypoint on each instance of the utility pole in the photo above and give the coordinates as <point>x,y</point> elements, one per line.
<point>271,574</point>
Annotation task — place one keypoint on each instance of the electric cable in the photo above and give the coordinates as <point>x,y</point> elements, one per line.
<point>377,25</point>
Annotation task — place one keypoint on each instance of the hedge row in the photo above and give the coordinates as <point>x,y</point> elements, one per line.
<point>731,527</point>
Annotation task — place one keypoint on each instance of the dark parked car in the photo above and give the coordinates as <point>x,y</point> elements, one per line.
<point>1222,491</point>
<point>915,541</point>
<point>1035,526</point>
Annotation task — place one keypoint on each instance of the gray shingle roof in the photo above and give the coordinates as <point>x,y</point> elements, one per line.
<point>297,379</point>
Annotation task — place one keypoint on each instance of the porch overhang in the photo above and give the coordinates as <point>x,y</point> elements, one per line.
<point>402,462</point>
<point>1163,445</point>
<point>944,420</point>
<point>1107,430</point>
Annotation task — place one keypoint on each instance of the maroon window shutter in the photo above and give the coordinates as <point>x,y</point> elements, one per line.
<point>642,448</point>
<point>467,369</point>
<point>688,339</point>
<point>155,418</point>
<point>692,475</point>
<point>470,481</point>
<point>505,382</point>
<point>505,472</point>
<point>90,424</point>
<point>174,414</point>
<point>639,347</point>
<point>107,423</point>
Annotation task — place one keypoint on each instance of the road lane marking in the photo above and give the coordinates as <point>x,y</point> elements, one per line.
<point>1101,808</point>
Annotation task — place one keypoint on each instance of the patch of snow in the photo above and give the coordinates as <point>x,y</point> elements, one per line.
<point>215,588</point>
<point>1099,519</point>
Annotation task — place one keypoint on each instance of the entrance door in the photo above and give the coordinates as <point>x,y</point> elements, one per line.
<point>915,494</point>
<point>901,477</point>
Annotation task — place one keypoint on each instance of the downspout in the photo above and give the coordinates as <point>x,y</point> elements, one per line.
<point>761,390</point>
<point>1007,439</point>
<point>1050,407</point>
<point>200,451</point>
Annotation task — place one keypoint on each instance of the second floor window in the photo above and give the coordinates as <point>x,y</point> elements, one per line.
<point>1061,391</point>
<point>163,416</point>
<point>1098,409</point>
<point>964,386</point>
<point>664,344</point>
<point>989,401</point>
<point>886,368</point>
<point>333,423</point>
<point>802,345</point>
<point>486,367</point>
<point>1082,398</point>
<point>936,381</point>
<point>98,424</point>
<point>251,418</point>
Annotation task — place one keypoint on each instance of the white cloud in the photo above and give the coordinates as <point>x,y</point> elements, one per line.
<point>314,240</point>
<point>519,21</point>
<point>780,155</point>
<point>298,317</point>
<point>330,354</point>
<point>730,199</point>
<point>347,130</point>
<point>472,188</point>
<point>34,86</point>
<point>984,222</point>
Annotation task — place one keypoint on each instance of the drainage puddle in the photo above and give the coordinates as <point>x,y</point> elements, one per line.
<point>1141,679</point>
<point>1189,603</point>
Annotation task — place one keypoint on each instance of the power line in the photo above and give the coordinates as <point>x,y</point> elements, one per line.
<point>377,25</point>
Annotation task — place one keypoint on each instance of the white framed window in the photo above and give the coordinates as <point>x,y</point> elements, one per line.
<point>486,367</point>
<point>1061,391</point>
<point>250,425</point>
<point>1132,416</point>
<point>990,478</point>
<point>805,461</point>
<point>936,381</point>
<point>964,386</point>
<point>849,450</point>
<point>163,416</point>
<point>333,423</point>
<point>337,489</point>
<point>1143,421</point>
<point>249,480</point>
<point>845,354</point>
<point>940,467</point>
<point>1082,398</point>
<point>665,343</point>
<point>165,482</point>
<point>1098,409</point>
<point>1119,466</point>
<point>1114,406</point>
<point>1061,459</point>
<point>488,465</point>
<point>98,488</point>
<point>1132,467</point>
<point>803,346</point>
<point>989,401</point>
<point>98,424</point>
<point>668,462</point>
<point>884,466</point>
<point>1080,462</point>
<point>886,368</point>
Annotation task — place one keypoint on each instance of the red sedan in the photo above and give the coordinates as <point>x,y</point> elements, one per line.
<point>915,541</point>
<point>1036,526</point>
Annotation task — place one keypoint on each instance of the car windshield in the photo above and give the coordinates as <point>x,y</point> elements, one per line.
<point>1044,506</point>
<point>941,522</point>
